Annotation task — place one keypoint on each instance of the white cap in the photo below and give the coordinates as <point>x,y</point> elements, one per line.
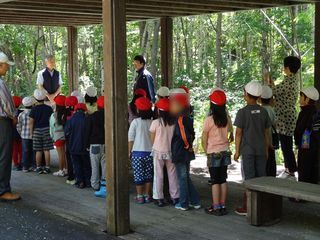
<point>80,99</point>
<point>4,59</point>
<point>254,88</point>
<point>76,93</point>
<point>177,91</point>
<point>39,94</point>
<point>91,91</point>
<point>163,92</point>
<point>266,92</point>
<point>27,101</point>
<point>311,92</point>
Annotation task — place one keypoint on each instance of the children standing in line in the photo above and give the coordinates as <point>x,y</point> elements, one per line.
<point>71,102</point>
<point>39,126</point>
<point>17,145</point>
<point>140,148</point>
<point>95,142</point>
<point>57,122</point>
<point>23,128</point>
<point>182,151</point>
<point>266,101</point>
<point>161,135</point>
<point>305,138</point>
<point>75,133</point>
<point>215,142</point>
<point>252,137</point>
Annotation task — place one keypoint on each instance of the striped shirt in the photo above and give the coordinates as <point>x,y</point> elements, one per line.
<point>7,108</point>
<point>23,125</point>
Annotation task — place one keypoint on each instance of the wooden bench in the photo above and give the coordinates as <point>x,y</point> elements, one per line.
<point>264,197</point>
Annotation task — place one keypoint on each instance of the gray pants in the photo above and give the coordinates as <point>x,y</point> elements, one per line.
<point>98,165</point>
<point>253,166</point>
<point>6,143</point>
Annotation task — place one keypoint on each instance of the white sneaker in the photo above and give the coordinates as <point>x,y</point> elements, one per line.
<point>71,182</point>
<point>197,207</point>
<point>59,173</point>
<point>284,175</point>
<point>65,171</point>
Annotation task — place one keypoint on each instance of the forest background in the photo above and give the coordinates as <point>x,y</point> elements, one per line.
<point>225,50</point>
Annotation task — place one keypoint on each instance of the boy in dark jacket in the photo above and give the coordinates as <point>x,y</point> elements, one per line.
<point>75,132</point>
<point>305,140</point>
<point>182,152</point>
<point>95,142</point>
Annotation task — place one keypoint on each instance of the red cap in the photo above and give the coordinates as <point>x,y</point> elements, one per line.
<point>80,106</point>
<point>181,98</point>
<point>100,102</point>
<point>60,100</point>
<point>143,104</point>
<point>140,92</point>
<point>163,104</point>
<point>17,101</point>
<point>185,88</point>
<point>218,97</point>
<point>71,101</point>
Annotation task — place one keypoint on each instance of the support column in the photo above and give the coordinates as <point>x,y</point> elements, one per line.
<point>115,91</point>
<point>317,62</point>
<point>73,62</point>
<point>166,51</point>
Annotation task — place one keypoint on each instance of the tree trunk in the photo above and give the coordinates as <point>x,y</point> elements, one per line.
<point>218,51</point>
<point>154,51</point>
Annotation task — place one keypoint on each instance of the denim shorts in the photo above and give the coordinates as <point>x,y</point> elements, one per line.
<point>219,159</point>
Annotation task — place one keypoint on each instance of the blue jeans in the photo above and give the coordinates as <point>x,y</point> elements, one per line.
<point>188,193</point>
<point>27,154</point>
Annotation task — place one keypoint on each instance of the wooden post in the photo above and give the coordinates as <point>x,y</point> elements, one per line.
<point>317,62</point>
<point>166,51</point>
<point>73,62</point>
<point>115,91</point>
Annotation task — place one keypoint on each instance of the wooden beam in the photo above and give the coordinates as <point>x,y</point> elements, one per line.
<point>166,51</point>
<point>73,62</point>
<point>317,47</point>
<point>115,79</point>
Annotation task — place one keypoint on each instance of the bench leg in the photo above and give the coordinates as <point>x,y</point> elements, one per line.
<point>263,208</point>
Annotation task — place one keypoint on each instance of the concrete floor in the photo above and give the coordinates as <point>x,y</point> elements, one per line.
<point>50,194</point>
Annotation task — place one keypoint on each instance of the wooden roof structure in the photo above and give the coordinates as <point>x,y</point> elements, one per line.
<point>85,12</point>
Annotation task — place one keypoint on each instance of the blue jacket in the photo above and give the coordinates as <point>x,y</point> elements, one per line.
<point>75,133</point>
<point>145,81</point>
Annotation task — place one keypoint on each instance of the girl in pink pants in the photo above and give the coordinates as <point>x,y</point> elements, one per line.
<point>161,135</point>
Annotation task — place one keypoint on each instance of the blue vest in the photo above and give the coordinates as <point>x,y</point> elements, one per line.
<point>51,83</point>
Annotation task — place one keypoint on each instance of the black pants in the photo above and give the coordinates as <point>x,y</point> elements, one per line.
<point>6,130</point>
<point>271,164</point>
<point>82,168</point>
<point>307,165</point>
<point>70,165</point>
<point>288,154</point>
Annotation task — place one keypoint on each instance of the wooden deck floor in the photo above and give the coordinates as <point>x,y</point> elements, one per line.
<point>49,193</point>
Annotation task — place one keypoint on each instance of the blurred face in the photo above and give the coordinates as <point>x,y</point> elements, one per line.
<point>175,108</point>
<point>137,65</point>
<point>303,100</point>
<point>51,63</point>
<point>4,67</point>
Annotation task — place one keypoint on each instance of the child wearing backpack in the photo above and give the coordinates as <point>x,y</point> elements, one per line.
<point>305,139</point>
<point>215,142</point>
<point>140,147</point>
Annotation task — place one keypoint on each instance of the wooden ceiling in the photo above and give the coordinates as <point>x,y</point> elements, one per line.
<point>84,12</point>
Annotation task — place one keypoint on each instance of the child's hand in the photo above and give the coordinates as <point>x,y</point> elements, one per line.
<point>236,156</point>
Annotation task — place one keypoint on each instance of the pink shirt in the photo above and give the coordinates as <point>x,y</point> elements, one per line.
<point>217,137</point>
<point>162,141</point>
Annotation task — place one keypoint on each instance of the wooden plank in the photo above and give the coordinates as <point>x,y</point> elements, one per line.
<point>73,61</point>
<point>317,63</point>
<point>115,74</point>
<point>286,188</point>
<point>166,51</point>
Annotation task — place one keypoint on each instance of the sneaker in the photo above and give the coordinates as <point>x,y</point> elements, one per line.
<point>223,211</point>
<point>179,207</point>
<point>39,170</point>
<point>212,211</point>
<point>160,203</point>
<point>65,171</point>
<point>59,173</point>
<point>25,170</point>
<point>195,206</point>
<point>17,168</point>
<point>46,170</point>
<point>241,211</point>
<point>148,199</point>
<point>139,200</point>
<point>102,193</point>
<point>286,175</point>
<point>71,182</point>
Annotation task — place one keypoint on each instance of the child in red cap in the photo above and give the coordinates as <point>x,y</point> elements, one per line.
<point>140,148</point>
<point>215,142</point>
<point>161,135</point>
<point>57,121</point>
<point>17,143</point>
<point>95,136</point>
<point>132,108</point>
<point>182,151</point>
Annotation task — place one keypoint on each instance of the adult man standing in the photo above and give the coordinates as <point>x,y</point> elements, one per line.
<point>7,121</point>
<point>144,79</point>
<point>50,79</point>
